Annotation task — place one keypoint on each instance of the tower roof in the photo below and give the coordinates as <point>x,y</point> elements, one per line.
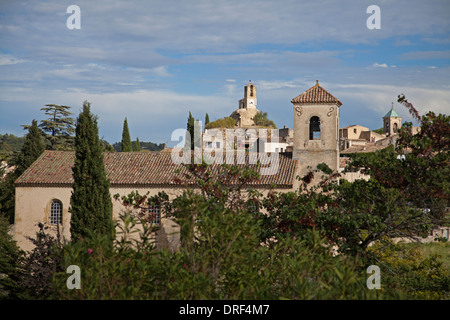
<point>391,113</point>
<point>316,94</point>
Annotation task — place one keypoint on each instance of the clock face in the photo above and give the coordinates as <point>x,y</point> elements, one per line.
<point>251,102</point>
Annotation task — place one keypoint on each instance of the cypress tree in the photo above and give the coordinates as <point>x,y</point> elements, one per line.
<point>90,203</point>
<point>137,145</point>
<point>31,149</point>
<point>190,130</point>
<point>206,119</point>
<point>126,140</point>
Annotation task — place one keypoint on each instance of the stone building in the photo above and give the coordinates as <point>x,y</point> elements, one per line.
<point>247,108</point>
<point>391,122</point>
<point>43,191</point>
<point>316,127</point>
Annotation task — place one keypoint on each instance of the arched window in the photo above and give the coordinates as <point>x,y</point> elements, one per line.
<point>314,128</point>
<point>56,211</point>
<point>395,127</point>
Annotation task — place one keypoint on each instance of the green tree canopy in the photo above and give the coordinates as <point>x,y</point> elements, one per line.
<point>58,128</point>
<point>137,145</point>
<point>30,151</point>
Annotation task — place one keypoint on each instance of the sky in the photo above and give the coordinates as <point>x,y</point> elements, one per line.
<point>153,62</point>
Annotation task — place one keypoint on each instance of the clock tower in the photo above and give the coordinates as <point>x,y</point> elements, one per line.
<point>249,100</point>
<point>247,107</point>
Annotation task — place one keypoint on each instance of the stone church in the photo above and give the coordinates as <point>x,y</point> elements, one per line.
<point>43,191</point>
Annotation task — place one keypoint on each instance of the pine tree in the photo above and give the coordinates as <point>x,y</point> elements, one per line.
<point>90,203</point>
<point>137,145</point>
<point>126,140</point>
<point>59,127</point>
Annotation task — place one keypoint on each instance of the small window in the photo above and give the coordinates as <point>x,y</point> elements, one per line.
<point>56,212</point>
<point>154,214</point>
<point>354,130</point>
<point>251,91</point>
<point>314,128</point>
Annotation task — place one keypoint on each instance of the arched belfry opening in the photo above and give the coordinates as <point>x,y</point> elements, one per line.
<point>314,128</point>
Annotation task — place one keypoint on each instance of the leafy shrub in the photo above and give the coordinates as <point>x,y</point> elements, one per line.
<point>261,119</point>
<point>227,122</point>
<point>405,270</point>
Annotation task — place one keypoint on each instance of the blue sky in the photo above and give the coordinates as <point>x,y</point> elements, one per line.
<point>154,61</point>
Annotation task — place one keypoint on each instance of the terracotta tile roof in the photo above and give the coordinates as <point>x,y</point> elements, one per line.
<point>138,169</point>
<point>316,94</point>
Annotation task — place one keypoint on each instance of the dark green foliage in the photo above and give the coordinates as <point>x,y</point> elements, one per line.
<point>9,144</point>
<point>206,119</point>
<point>190,132</point>
<point>107,147</point>
<point>405,270</point>
<point>90,203</point>
<point>32,148</point>
<point>7,196</point>
<point>261,119</point>
<point>10,257</point>
<point>137,145</point>
<point>193,133</point>
<point>422,175</point>
<point>379,131</point>
<point>150,146</point>
<point>39,266</point>
<point>220,256</point>
<point>126,140</point>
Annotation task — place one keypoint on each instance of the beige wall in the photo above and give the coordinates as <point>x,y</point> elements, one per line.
<point>33,207</point>
<point>391,123</point>
<point>352,132</point>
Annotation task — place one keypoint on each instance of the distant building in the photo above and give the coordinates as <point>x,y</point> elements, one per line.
<point>247,108</point>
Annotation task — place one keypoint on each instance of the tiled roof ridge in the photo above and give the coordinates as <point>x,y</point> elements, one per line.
<point>316,94</point>
<point>54,168</point>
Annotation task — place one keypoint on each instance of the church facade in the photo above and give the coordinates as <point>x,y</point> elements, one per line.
<point>43,191</point>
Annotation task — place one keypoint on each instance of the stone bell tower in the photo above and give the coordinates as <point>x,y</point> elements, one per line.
<point>247,107</point>
<point>392,122</point>
<point>316,129</point>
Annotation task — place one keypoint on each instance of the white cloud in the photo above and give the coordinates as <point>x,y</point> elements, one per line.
<point>379,65</point>
<point>6,59</point>
<point>379,97</point>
